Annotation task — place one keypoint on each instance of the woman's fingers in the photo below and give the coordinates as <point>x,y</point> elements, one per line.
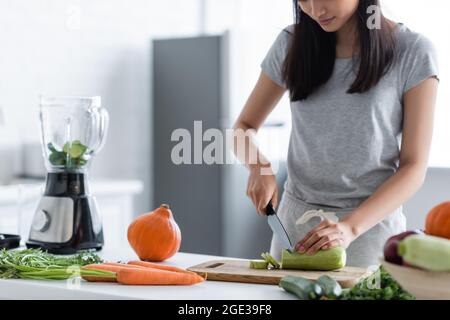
<point>262,205</point>
<point>324,224</point>
<point>274,199</point>
<point>261,189</point>
<point>263,202</point>
<point>322,241</point>
<point>332,244</point>
<point>269,198</point>
<point>261,198</point>
<point>314,238</point>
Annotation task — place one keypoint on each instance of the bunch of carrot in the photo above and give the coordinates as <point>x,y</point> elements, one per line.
<point>143,273</point>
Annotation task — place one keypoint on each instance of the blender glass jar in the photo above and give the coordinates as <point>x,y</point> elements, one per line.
<point>73,130</point>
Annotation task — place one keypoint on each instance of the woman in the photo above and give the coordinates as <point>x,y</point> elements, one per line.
<point>362,96</point>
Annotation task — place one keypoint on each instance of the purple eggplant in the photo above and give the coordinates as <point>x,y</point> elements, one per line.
<point>391,245</point>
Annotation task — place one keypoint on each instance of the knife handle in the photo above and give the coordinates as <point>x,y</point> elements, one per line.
<point>269,209</point>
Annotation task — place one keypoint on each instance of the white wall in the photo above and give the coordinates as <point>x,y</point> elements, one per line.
<point>436,189</point>
<point>89,47</point>
<point>430,18</point>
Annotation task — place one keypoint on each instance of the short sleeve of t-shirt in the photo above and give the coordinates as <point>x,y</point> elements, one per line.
<point>272,64</point>
<point>420,63</point>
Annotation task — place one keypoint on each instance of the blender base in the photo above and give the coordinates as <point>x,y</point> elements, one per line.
<point>67,219</point>
<point>60,248</point>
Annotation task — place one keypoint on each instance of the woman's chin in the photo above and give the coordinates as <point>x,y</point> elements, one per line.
<point>333,26</point>
<point>330,28</point>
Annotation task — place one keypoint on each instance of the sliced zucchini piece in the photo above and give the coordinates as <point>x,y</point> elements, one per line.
<point>271,260</point>
<point>258,264</point>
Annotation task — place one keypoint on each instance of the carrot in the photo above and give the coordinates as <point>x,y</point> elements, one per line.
<point>164,267</point>
<point>107,266</point>
<point>122,265</point>
<point>99,278</point>
<point>143,273</point>
<point>152,276</point>
<point>158,266</point>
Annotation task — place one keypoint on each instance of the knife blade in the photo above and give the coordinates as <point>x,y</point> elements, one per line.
<point>277,228</point>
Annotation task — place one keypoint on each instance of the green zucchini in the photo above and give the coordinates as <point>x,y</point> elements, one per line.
<point>325,260</point>
<point>427,252</point>
<point>258,264</point>
<point>331,288</point>
<point>271,260</point>
<point>303,288</point>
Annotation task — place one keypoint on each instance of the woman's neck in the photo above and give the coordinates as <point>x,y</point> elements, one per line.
<point>346,45</point>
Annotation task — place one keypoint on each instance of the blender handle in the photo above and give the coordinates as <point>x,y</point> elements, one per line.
<point>101,121</point>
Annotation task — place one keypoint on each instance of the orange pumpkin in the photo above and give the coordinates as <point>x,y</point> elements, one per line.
<point>155,236</point>
<point>438,221</point>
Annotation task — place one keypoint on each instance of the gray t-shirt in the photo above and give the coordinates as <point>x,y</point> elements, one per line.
<point>344,146</point>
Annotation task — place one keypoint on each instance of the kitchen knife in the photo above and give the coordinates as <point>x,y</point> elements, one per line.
<point>277,228</point>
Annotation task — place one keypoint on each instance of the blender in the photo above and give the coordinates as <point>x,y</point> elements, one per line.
<point>73,130</point>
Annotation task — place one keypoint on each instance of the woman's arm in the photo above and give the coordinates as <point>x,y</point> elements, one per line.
<point>261,188</point>
<point>419,106</point>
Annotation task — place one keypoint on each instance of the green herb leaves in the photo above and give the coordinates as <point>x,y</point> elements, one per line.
<point>38,264</point>
<point>389,289</point>
<point>72,155</point>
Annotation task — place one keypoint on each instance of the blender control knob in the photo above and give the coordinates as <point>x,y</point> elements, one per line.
<point>41,221</point>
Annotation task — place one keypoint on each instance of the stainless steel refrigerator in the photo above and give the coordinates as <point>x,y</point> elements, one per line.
<point>192,81</point>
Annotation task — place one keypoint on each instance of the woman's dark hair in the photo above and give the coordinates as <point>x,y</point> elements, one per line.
<point>310,59</point>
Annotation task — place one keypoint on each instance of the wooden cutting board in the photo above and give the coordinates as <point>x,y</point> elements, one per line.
<point>239,271</point>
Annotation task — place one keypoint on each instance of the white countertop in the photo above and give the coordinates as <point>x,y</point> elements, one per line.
<point>208,290</point>
<point>9,193</point>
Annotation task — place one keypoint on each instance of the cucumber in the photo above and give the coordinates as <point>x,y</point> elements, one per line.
<point>331,288</point>
<point>303,288</point>
<point>57,158</point>
<point>74,149</point>
<point>270,260</point>
<point>258,264</point>
<point>427,252</point>
<point>324,260</point>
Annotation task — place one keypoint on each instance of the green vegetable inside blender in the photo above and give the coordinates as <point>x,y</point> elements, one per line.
<point>71,154</point>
